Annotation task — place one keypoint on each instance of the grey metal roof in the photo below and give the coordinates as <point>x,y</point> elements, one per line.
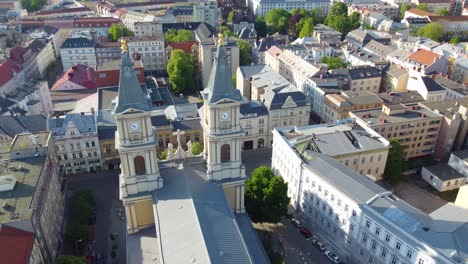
<point>461,154</point>
<point>12,125</point>
<point>275,100</point>
<point>107,132</point>
<point>431,84</point>
<point>84,123</point>
<point>253,107</point>
<point>73,43</point>
<point>131,94</point>
<point>254,245</point>
<point>189,124</point>
<point>195,220</point>
<point>160,120</point>
<point>357,73</point>
<point>444,172</point>
<point>220,84</point>
<point>248,71</point>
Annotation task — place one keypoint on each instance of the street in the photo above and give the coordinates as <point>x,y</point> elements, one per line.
<point>105,187</point>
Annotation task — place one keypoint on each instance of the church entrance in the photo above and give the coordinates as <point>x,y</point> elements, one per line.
<point>248,145</point>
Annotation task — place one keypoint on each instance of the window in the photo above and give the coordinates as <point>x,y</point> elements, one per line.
<point>383,253</point>
<point>374,245</point>
<point>197,138</point>
<point>81,155</point>
<point>95,154</point>
<point>371,259</point>
<point>364,238</point>
<point>394,260</point>
<point>87,144</point>
<point>377,230</point>
<point>93,144</point>
<point>139,163</point>
<point>367,223</point>
<point>108,149</point>
<point>421,261</point>
<point>161,143</point>
<point>409,254</point>
<point>72,147</point>
<point>354,214</point>
<point>74,156</point>
<point>332,198</point>
<point>225,153</point>
<point>187,138</point>
<point>346,208</point>
<point>398,246</point>
<point>387,238</point>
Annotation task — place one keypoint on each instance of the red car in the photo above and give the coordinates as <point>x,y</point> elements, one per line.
<point>306,233</point>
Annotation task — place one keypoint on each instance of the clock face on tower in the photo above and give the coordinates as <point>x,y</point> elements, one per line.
<point>224,115</point>
<point>134,126</point>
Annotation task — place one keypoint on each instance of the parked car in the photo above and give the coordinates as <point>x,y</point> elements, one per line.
<point>306,233</point>
<point>289,216</point>
<point>314,240</point>
<point>296,222</point>
<point>331,256</point>
<point>320,246</point>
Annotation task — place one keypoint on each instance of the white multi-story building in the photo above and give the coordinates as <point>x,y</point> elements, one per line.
<point>151,51</point>
<point>76,142</point>
<point>261,7</point>
<point>206,11</point>
<point>148,29</point>
<point>79,50</point>
<point>360,220</point>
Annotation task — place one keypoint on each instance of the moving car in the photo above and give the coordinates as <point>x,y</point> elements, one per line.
<point>320,246</point>
<point>306,233</point>
<point>295,222</point>
<point>331,256</point>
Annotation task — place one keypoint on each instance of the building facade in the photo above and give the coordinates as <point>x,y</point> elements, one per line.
<point>338,106</point>
<point>78,50</point>
<point>206,11</point>
<point>151,52</point>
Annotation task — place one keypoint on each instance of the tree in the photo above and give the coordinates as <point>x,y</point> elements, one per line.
<point>355,20</point>
<point>32,5</point>
<point>68,259</point>
<point>181,69</point>
<point>197,148</point>
<point>395,162</point>
<point>339,20</point>
<point>180,35</point>
<point>119,30</point>
<point>76,232</point>
<point>266,198</point>
<point>454,40</point>
<point>260,26</point>
<point>433,31</point>
<point>226,31</point>
<point>244,52</point>
<point>423,7</point>
<point>443,12</point>
<point>230,16</point>
<point>403,9</point>
<point>338,9</point>
<point>307,27</point>
<point>333,62</point>
<point>278,20</point>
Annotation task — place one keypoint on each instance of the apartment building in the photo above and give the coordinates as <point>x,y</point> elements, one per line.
<point>79,50</point>
<point>428,87</point>
<point>459,161</point>
<point>363,222</point>
<point>359,148</point>
<point>207,51</point>
<point>326,34</point>
<point>32,98</point>
<point>364,79</point>
<point>416,127</point>
<point>254,120</point>
<point>148,29</point>
<point>460,70</point>
<point>76,142</point>
<point>206,11</point>
<point>109,51</point>
<point>337,106</point>
<point>34,199</point>
<point>394,78</point>
<point>151,52</point>
<point>262,7</point>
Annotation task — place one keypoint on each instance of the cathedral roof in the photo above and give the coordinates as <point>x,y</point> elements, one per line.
<point>220,83</point>
<point>131,94</point>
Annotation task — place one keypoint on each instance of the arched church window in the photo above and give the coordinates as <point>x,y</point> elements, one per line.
<point>261,143</point>
<point>140,167</point>
<point>225,153</point>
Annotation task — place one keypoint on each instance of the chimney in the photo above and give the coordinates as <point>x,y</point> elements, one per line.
<point>433,76</point>
<point>82,113</point>
<point>92,110</point>
<point>321,76</point>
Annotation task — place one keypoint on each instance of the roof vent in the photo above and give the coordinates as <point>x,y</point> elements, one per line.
<point>426,228</point>
<point>7,183</point>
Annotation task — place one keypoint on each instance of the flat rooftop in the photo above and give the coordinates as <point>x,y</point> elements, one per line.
<point>29,141</point>
<point>26,171</point>
<point>373,115</point>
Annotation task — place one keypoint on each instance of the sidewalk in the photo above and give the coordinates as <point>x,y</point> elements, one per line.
<point>118,229</point>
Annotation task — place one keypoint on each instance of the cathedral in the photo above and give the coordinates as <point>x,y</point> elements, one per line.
<point>184,209</point>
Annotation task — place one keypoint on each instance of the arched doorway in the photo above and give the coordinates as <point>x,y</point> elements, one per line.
<point>139,163</point>
<point>225,153</point>
<point>260,143</point>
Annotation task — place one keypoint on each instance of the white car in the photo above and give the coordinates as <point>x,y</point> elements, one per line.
<point>334,258</point>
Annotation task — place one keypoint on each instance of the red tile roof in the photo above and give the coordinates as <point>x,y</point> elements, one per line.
<point>15,245</point>
<point>16,54</point>
<point>79,74</point>
<point>424,57</point>
<point>64,10</point>
<point>7,70</point>
<point>449,18</point>
<point>185,46</point>
<point>420,12</point>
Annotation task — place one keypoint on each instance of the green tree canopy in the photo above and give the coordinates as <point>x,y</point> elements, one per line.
<point>260,26</point>
<point>245,50</point>
<point>338,9</point>
<point>339,20</point>
<point>226,31</point>
<point>333,62</point>
<point>67,259</point>
<point>395,162</point>
<point>454,40</point>
<point>433,31</point>
<point>119,30</point>
<point>33,5</point>
<point>266,196</point>
<point>197,148</point>
<point>443,12</point>
<point>76,232</point>
<point>278,20</point>
<point>307,27</point>
<point>423,7</point>
<point>403,9</point>
<point>180,35</point>
<point>230,16</point>
<point>181,69</point>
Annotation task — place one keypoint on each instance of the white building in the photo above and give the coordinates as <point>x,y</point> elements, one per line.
<point>206,11</point>
<point>76,142</point>
<point>261,7</point>
<point>442,177</point>
<point>362,222</point>
<point>148,29</point>
<point>32,98</point>
<point>459,161</point>
<point>80,50</point>
<point>151,50</point>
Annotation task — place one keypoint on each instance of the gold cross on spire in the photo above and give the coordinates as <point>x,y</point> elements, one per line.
<point>220,39</point>
<point>124,46</point>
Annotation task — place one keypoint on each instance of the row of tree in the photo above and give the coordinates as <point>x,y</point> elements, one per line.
<point>339,20</point>
<point>297,22</point>
<point>32,5</point>
<point>180,35</point>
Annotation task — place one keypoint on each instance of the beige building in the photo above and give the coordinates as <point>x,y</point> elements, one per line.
<point>416,127</point>
<point>151,52</point>
<point>364,79</point>
<point>206,52</point>
<point>394,78</point>
<point>254,120</point>
<point>33,199</point>
<point>76,142</point>
<point>338,106</point>
<point>148,29</point>
<point>359,148</point>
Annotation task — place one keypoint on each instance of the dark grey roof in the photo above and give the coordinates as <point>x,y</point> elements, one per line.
<point>257,253</point>
<point>12,125</point>
<point>160,120</point>
<point>274,40</point>
<point>431,84</point>
<point>247,33</point>
<point>131,94</point>
<point>249,70</point>
<point>107,132</point>
<point>220,84</point>
<point>190,124</point>
<point>253,107</point>
<point>72,43</point>
<point>444,172</point>
<point>461,154</point>
<point>85,123</point>
<point>275,101</point>
<point>401,97</point>
<point>364,73</point>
